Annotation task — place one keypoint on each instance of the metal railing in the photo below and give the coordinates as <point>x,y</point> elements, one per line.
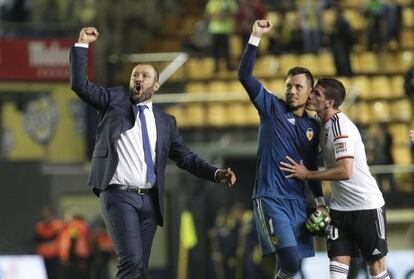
<point>176,59</point>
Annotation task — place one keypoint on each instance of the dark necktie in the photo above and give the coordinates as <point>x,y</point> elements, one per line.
<point>147,147</point>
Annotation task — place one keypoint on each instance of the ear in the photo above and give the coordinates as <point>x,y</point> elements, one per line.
<point>156,86</point>
<point>330,103</point>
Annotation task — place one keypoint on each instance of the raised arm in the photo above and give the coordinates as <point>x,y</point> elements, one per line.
<point>245,72</point>
<point>88,91</point>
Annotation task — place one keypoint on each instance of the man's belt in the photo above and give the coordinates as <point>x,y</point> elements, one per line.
<point>139,191</point>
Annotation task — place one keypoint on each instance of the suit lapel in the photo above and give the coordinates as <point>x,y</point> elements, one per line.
<point>129,118</point>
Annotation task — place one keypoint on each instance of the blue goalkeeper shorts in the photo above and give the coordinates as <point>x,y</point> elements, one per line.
<point>280,223</point>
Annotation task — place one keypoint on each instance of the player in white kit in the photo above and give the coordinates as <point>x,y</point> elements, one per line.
<point>357,205</point>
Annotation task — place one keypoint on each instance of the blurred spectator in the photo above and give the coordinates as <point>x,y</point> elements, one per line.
<point>234,223</point>
<point>393,20</point>
<point>409,83</point>
<point>215,234</point>
<point>280,5</point>
<point>235,250</point>
<point>411,137</point>
<point>224,242</point>
<point>409,92</point>
<point>45,11</point>
<point>20,10</point>
<point>310,12</point>
<point>101,250</point>
<point>220,14</point>
<point>286,36</point>
<point>379,153</point>
<point>85,10</point>
<point>48,230</point>
<point>200,40</point>
<point>5,7</point>
<point>374,14</point>
<point>248,251</point>
<point>73,246</point>
<point>249,12</point>
<point>341,41</point>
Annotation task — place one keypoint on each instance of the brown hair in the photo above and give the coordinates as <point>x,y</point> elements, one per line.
<point>334,90</point>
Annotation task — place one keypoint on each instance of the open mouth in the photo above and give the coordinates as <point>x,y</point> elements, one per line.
<point>137,87</point>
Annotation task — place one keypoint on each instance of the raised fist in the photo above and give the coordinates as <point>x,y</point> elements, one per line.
<point>88,35</point>
<point>261,27</point>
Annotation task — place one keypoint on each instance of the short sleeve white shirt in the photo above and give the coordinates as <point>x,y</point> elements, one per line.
<point>340,139</point>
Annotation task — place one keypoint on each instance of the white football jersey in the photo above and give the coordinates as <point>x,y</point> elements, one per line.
<point>339,139</point>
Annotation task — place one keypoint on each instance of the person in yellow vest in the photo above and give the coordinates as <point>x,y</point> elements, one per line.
<point>47,233</point>
<point>221,16</point>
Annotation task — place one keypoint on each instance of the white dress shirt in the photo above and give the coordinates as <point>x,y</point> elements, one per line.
<point>132,169</point>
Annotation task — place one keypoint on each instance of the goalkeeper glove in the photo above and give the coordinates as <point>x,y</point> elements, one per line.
<point>317,223</point>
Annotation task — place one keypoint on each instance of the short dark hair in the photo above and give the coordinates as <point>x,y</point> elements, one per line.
<point>334,90</point>
<point>157,74</point>
<point>301,70</point>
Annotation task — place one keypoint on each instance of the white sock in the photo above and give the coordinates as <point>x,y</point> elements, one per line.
<point>283,275</point>
<point>382,275</point>
<point>338,270</point>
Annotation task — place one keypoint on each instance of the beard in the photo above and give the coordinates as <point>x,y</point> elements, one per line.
<point>139,98</point>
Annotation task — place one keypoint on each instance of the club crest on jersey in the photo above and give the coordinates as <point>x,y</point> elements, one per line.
<point>309,134</point>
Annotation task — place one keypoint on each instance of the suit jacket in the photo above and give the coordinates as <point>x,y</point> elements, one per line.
<point>116,115</point>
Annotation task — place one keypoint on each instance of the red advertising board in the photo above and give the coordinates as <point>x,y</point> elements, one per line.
<point>37,59</point>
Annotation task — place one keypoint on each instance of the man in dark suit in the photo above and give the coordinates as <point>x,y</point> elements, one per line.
<point>133,142</point>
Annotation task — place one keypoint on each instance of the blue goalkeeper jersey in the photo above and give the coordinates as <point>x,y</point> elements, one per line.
<point>281,134</point>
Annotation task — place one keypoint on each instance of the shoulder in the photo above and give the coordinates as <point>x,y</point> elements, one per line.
<point>343,121</point>
<point>272,97</point>
<point>343,126</point>
<point>118,94</point>
<point>158,112</point>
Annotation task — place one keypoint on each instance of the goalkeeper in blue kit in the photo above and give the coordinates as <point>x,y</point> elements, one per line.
<point>285,129</point>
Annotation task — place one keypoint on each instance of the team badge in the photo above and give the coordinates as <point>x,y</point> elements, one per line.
<point>309,134</point>
<point>340,147</point>
<point>40,118</point>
